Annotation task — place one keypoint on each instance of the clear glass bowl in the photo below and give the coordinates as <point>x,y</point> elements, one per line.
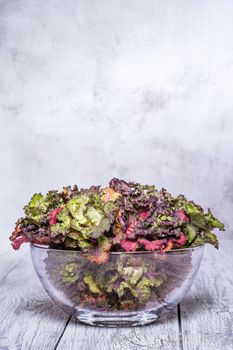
<point>130,289</point>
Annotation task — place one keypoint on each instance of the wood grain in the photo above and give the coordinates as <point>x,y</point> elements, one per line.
<point>207,310</point>
<point>161,335</point>
<point>9,258</point>
<point>28,319</point>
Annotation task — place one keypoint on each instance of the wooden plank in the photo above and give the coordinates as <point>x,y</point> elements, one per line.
<point>161,335</point>
<point>28,319</point>
<point>207,310</point>
<point>10,258</point>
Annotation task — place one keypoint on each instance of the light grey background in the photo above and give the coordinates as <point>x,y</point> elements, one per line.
<point>135,89</point>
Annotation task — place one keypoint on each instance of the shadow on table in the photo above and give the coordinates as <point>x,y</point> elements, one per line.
<point>194,303</point>
<point>42,306</point>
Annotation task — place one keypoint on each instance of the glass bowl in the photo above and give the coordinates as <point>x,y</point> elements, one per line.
<point>130,289</point>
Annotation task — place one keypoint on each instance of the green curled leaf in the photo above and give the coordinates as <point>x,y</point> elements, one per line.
<point>93,287</point>
<point>212,221</point>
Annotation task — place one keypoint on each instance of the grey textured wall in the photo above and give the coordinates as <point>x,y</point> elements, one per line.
<point>136,89</point>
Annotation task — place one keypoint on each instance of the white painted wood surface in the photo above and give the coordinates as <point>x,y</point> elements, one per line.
<point>207,311</point>
<point>163,335</point>
<point>30,321</point>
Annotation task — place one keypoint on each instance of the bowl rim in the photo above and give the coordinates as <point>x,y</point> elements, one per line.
<point>172,251</point>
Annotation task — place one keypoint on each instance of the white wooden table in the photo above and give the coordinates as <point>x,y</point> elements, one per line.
<point>29,320</point>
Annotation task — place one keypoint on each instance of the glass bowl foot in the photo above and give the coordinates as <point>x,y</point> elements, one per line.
<point>113,319</point>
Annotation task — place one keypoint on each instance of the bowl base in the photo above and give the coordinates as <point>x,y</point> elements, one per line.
<point>111,319</point>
